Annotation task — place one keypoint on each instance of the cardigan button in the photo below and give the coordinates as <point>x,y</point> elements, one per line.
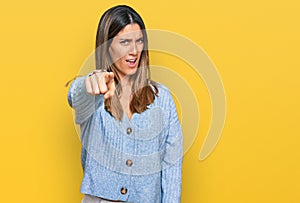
<point>123,190</point>
<point>129,131</point>
<point>129,162</point>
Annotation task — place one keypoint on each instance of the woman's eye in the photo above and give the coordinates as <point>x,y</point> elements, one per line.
<point>140,41</point>
<point>124,42</point>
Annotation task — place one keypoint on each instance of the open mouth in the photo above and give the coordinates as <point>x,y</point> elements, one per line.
<point>131,62</point>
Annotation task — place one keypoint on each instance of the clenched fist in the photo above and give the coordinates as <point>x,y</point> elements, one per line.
<point>100,82</point>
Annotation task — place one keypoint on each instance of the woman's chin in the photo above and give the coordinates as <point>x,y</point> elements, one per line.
<point>128,73</point>
<point>131,71</point>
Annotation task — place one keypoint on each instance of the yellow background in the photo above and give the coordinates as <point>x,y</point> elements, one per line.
<point>255,46</point>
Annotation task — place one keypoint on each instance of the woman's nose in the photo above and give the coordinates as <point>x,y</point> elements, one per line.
<point>133,50</point>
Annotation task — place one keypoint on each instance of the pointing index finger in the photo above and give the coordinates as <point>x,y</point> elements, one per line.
<point>109,76</point>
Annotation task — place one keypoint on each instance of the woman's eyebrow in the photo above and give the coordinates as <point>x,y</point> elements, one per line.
<point>128,39</point>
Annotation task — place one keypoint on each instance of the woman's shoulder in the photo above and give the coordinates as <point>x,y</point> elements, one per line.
<point>163,92</point>
<point>162,87</point>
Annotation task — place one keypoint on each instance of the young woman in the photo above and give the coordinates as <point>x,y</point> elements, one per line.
<point>130,133</point>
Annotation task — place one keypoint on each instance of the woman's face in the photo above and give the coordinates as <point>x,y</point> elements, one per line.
<point>125,49</point>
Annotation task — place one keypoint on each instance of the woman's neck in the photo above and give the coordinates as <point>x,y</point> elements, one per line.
<point>126,83</point>
<point>125,98</point>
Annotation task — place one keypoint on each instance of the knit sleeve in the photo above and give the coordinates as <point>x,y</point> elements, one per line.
<point>81,101</point>
<point>172,158</point>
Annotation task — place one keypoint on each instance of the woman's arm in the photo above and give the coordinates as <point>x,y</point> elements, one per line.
<point>172,160</point>
<point>81,101</point>
<point>88,92</point>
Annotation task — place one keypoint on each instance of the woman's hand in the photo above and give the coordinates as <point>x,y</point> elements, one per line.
<point>100,82</point>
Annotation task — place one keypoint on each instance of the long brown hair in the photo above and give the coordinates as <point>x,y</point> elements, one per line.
<point>143,89</point>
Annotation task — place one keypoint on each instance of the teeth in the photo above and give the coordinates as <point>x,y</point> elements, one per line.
<point>131,60</point>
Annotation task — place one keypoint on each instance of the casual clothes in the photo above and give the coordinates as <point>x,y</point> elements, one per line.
<point>133,160</point>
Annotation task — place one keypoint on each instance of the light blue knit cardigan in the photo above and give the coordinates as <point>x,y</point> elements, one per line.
<point>137,160</point>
